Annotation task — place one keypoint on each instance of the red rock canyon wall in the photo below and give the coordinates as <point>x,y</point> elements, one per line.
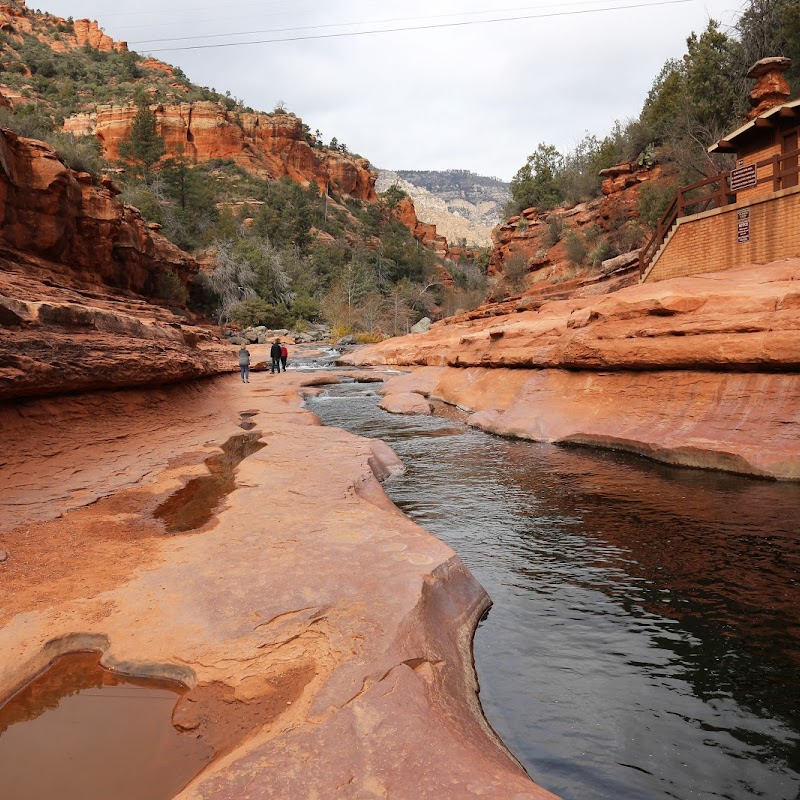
<point>702,371</point>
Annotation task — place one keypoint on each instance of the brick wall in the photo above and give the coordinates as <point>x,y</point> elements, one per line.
<point>707,242</point>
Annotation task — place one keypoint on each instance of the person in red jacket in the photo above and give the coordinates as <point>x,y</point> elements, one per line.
<point>284,356</point>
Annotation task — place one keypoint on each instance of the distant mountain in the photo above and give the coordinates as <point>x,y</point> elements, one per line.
<point>462,204</point>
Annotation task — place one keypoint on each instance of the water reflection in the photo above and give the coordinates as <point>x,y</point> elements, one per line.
<point>80,732</point>
<point>645,638</point>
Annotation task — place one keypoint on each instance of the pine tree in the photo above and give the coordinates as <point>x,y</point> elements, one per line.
<point>145,146</point>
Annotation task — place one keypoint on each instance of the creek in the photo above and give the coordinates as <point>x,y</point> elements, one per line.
<point>645,636</point>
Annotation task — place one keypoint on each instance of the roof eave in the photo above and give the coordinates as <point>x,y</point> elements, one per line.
<point>727,145</point>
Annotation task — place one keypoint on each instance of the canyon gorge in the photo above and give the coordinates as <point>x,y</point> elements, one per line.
<point>187,526</point>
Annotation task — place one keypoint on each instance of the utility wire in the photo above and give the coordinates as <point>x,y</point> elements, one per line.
<point>420,27</point>
<point>367,22</point>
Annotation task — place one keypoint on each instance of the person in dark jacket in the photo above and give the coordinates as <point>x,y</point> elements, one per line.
<point>284,356</point>
<point>244,364</point>
<point>275,355</point>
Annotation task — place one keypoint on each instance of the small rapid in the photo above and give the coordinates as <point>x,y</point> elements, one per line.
<point>644,641</point>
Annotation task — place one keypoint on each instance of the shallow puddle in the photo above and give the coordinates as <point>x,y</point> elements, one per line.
<point>196,503</point>
<point>80,732</point>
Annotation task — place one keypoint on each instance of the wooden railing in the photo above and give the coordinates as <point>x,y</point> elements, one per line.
<point>785,173</point>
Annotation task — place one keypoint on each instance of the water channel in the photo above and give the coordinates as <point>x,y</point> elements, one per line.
<point>644,641</point>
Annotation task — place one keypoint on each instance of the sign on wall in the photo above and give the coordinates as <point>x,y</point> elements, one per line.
<point>743,225</point>
<point>744,177</point>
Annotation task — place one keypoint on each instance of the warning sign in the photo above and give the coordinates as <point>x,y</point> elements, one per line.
<point>743,225</point>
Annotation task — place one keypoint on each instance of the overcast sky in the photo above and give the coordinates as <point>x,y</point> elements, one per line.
<point>477,97</point>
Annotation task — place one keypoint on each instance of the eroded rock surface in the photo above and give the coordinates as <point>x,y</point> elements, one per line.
<point>325,636</point>
<point>702,371</point>
<point>272,146</point>
<point>80,279</point>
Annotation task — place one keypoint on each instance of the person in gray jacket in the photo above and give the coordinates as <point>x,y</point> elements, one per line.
<point>244,363</point>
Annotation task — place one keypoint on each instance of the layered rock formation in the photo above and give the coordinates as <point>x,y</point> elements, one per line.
<point>16,18</point>
<point>79,272</point>
<point>424,232</point>
<point>326,643</point>
<point>771,88</point>
<point>272,146</point>
<point>538,239</point>
<point>702,371</point>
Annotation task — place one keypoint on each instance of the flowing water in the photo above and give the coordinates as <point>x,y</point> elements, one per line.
<point>645,636</point>
<point>80,732</point>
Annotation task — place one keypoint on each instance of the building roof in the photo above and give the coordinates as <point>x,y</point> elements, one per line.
<point>727,145</point>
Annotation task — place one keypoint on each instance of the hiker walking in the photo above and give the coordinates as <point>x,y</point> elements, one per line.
<point>284,356</point>
<point>275,355</point>
<point>244,363</point>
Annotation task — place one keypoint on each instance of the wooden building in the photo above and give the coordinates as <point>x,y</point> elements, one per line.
<point>749,214</point>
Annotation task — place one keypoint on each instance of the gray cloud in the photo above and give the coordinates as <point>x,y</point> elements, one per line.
<point>479,97</point>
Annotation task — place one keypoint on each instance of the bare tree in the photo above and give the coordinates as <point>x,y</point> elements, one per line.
<point>372,311</point>
<point>233,280</point>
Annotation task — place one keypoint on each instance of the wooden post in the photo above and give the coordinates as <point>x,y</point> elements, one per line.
<point>776,169</point>
<point>680,203</point>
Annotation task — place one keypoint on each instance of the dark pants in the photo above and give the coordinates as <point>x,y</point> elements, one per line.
<point>284,359</point>
<point>276,364</point>
<point>245,368</point>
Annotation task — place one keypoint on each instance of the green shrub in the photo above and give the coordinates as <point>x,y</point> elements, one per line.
<point>653,201</point>
<point>250,313</point>
<point>81,153</point>
<point>168,286</point>
<point>576,248</point>
<point>306,308</point>
<point>555,229</point>
<point>202,297</point>
<point>600,252</point>
<point>141,196</point>
<point>30,121</point>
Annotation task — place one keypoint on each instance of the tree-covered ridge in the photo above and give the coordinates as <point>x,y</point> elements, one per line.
<point>277,253</point>
<point>693,101</point>
<point>451,179</point>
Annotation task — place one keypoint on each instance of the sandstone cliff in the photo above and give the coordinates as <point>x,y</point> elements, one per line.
<point>15,18</point>
<point>79,273</point>
<point>703,371</point>
<point>271,146</point>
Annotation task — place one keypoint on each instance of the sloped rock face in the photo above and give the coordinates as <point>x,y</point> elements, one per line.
<point>537,238</point>
<point>406,214</point>
<point>702,371</point>
<point>76,266</point>
<point>272,146</point>
<point>326,643</point>
<point>88,33</point>
<point>17,18</point>
<point>424,232</point>
<point>51,212</point>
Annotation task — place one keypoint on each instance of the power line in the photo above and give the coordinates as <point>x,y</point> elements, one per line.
<point>420,27</point>
<point>365,22</point>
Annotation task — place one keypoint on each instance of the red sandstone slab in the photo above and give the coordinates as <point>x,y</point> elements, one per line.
<point>325,636</point>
